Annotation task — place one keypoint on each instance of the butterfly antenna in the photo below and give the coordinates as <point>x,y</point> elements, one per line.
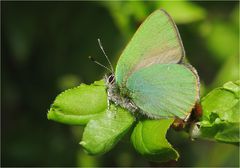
<point>93,60</point>
<point>100,45</point>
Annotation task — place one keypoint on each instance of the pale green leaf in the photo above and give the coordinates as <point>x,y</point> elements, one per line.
<point>223,102</point>
<point>101,135</point>
<point>80,104</point>
<point>229,71</point>
<point>126,13</point>
<point>183,11</point>
<point>218,34</point>
<point>149,139</point>
<point>221,114</point>
<point>229,134</point>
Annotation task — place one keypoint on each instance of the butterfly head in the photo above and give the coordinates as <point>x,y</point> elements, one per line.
<point>111,79</point>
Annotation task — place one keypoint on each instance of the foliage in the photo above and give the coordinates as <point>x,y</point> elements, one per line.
<point>149,139</point>
<point>80,104</point>
<point>221,114</point>
<point>220,121</point>
<point>100,135</point>
<point>77,106</point>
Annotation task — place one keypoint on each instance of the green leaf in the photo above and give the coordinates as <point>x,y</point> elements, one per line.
<point>126,13</point>
<point>101,135</point>
<point>221,114</point>
<point>229,134</point>
<point>80,104</point>
<point>183,11</point>
<point>229,71</point>
<point>149,139</point>
<point>218,34</point>
<point>222,102</point>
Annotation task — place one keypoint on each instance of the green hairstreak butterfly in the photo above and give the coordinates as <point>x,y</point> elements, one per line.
<point>151,76</point>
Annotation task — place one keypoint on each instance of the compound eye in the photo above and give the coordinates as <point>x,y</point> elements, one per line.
<point>111,79</point>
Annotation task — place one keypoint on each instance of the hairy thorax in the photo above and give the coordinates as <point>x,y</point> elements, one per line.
<point>115,96</point>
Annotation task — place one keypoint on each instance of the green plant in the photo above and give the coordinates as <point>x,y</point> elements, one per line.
<point>107,123</point>
<point>87,105</point>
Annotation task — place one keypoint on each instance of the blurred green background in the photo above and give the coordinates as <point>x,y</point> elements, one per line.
<point>45,49</point>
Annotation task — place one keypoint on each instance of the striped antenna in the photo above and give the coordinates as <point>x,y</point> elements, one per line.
<point>93,60</point>
<point>100,45</point>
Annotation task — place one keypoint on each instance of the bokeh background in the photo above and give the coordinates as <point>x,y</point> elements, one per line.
<point>45,48</point>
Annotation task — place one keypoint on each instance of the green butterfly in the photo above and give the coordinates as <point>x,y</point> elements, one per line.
<point>151,77</point>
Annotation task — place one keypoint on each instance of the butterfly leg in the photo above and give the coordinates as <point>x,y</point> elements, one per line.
<point>108,104</point>
<point>108,101</point>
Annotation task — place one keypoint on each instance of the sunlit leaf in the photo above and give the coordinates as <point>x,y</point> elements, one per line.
<point>126,13</point>
<point>80,104</point>
<point>221,114</point>
<point>149,139</point>
<point>218,34</point>
<point>229,134</point>
<point>183,11</point>
<point>101,135</point>
<point>228,72</point>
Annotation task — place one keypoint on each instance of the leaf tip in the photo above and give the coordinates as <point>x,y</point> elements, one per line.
<point>82,143</point>
<point>50,114</point>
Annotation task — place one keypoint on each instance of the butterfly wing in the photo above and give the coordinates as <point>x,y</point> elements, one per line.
<point>156,41</point>
<point>164,90</point>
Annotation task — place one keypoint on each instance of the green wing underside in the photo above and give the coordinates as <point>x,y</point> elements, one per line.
<point>164,90</point>
<point>156,41</point>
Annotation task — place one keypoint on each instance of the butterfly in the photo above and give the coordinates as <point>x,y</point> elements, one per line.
<point>151,76</point>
